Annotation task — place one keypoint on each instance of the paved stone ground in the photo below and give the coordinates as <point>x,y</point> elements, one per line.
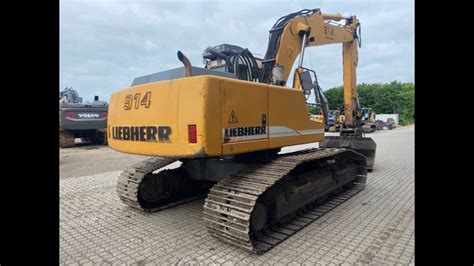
<point>92,160</point>
<point>374,227</point>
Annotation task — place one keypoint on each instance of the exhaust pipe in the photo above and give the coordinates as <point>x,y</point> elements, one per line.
<point>186,63</point>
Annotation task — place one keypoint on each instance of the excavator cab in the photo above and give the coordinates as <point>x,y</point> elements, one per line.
<point>366,113</point>
<point>309,85</point>
<point>368,120</point>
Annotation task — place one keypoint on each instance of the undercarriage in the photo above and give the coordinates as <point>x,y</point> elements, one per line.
<point>67,137</point>
<point>253,202</point>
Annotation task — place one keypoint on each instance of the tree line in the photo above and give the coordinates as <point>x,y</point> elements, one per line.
<point>384,98</point>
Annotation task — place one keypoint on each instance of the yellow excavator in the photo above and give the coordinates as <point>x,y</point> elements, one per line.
<point>217,132</point>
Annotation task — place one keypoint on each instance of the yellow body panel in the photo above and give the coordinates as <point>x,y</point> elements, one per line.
<point>231,117</point>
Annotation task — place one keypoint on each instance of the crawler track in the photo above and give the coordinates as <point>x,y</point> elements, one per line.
<point>128,186</point>
<point>229,206</point>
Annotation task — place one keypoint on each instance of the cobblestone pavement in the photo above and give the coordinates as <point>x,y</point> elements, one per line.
<point>374,227</point>
<point>93,159</point>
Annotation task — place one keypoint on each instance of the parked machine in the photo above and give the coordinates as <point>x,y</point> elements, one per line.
<point>335,120</point>
<point>368,122</point>
<point>317,115</point>
<point>225,125</point>
<point>87,121</point>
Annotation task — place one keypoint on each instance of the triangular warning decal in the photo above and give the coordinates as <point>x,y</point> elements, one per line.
<point>232,117</point>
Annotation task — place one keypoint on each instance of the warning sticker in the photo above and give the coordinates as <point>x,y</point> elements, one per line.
<point>232,118</point>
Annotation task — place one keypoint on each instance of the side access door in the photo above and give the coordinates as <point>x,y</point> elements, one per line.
<point>244,117</point>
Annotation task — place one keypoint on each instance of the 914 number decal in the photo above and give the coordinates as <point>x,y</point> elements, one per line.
<point>133,100</point>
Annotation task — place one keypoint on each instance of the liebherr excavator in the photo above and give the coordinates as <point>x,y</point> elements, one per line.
<point>222,127</point>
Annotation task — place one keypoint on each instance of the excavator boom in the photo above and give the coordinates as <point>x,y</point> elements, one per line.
<point>314,29</point>
<point>288,39</point>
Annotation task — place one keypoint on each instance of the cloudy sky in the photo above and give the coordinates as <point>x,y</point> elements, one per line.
<point>105,44</point>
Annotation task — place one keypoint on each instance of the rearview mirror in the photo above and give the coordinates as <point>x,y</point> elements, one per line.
<point>306,82</point>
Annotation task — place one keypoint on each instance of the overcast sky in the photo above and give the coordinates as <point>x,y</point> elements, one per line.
<point>105,44</point>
